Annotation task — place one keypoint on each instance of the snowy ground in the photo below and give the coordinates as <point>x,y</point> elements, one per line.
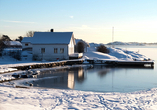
<point>47,99</point>
<point>114,54</point>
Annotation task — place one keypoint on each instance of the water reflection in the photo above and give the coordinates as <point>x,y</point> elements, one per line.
<point>60,78</point>
<point>99,78</point>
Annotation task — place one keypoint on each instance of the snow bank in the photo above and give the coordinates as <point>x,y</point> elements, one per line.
<point>134,55</point>
<point>93,54</point>
<point>114,54</point>
<point>37,99</point>
<point>4,69</point>
<point>98,55</point>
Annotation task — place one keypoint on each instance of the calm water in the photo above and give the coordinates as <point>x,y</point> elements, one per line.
<point>104,79</point>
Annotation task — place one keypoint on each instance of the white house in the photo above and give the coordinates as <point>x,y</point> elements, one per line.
<point>26,43</point>
<point>53,45</point>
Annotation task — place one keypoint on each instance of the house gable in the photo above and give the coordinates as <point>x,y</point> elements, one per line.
<point>26,43</point>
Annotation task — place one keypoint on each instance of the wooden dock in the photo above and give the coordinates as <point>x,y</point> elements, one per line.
<point>49,64</point>
<point>80,61</point>
<point>122,62</point>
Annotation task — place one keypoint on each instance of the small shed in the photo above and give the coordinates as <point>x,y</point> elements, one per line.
<point>53,45</point>
<point>81,46</point>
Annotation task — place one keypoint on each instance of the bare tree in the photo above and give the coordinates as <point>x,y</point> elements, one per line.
<point>30,34</point>
<point>19,39</point>
<point>5,38</point>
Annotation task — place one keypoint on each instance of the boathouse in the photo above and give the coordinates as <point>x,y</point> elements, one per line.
<point>52,45</point>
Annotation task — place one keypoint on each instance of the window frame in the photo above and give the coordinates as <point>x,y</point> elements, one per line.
<point>55,50</point>
<point>61,50</point>
<point>42,50</point>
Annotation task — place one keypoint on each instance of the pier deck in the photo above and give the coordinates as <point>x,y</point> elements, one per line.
<point>122,62</point>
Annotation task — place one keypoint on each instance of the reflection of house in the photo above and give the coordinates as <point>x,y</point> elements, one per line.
<point>81,46</point>
<point>61,79</point>
<point>26,43</point>
<point>12,44</point>
<point>71,80</point>
<point>53,45</point>
<point>80,76</point>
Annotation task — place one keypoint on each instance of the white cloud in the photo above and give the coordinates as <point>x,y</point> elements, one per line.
<point>86,27</point>
<point>71,17</point>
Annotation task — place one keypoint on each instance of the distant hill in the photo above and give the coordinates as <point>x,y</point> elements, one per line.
<point>130,43</point>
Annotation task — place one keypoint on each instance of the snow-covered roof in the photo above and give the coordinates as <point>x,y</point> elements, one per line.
<point>26,39</point>
<point>52,37</point>
<point>12,43</point>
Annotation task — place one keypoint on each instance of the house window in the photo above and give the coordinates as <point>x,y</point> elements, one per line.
<point>61,50</point>
<point>55,50</point>
<point>26,44</point>
<point>42,50</point>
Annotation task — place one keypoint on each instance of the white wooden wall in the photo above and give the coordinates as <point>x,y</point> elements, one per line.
<point>71,46</point>
<point>49,52</point>
<point>29,45</point>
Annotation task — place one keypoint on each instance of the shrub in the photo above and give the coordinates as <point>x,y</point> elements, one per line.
<point>102,48</point>
<point>80,47</point>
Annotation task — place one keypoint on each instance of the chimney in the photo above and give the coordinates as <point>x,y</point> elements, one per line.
<point>51,30</point>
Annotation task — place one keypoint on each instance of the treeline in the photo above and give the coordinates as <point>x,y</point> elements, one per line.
<point>5,38</point>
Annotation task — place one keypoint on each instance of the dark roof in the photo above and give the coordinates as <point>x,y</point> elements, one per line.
<point>27,39</point>
<point>52,37</point>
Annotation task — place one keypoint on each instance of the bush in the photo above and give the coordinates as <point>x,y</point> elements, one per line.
<point>102,48</point>
<point>80,47</point>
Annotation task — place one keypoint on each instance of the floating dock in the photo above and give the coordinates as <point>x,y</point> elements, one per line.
<point>123,62</point>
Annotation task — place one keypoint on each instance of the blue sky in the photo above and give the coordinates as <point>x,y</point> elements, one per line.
<point>90,20</point>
